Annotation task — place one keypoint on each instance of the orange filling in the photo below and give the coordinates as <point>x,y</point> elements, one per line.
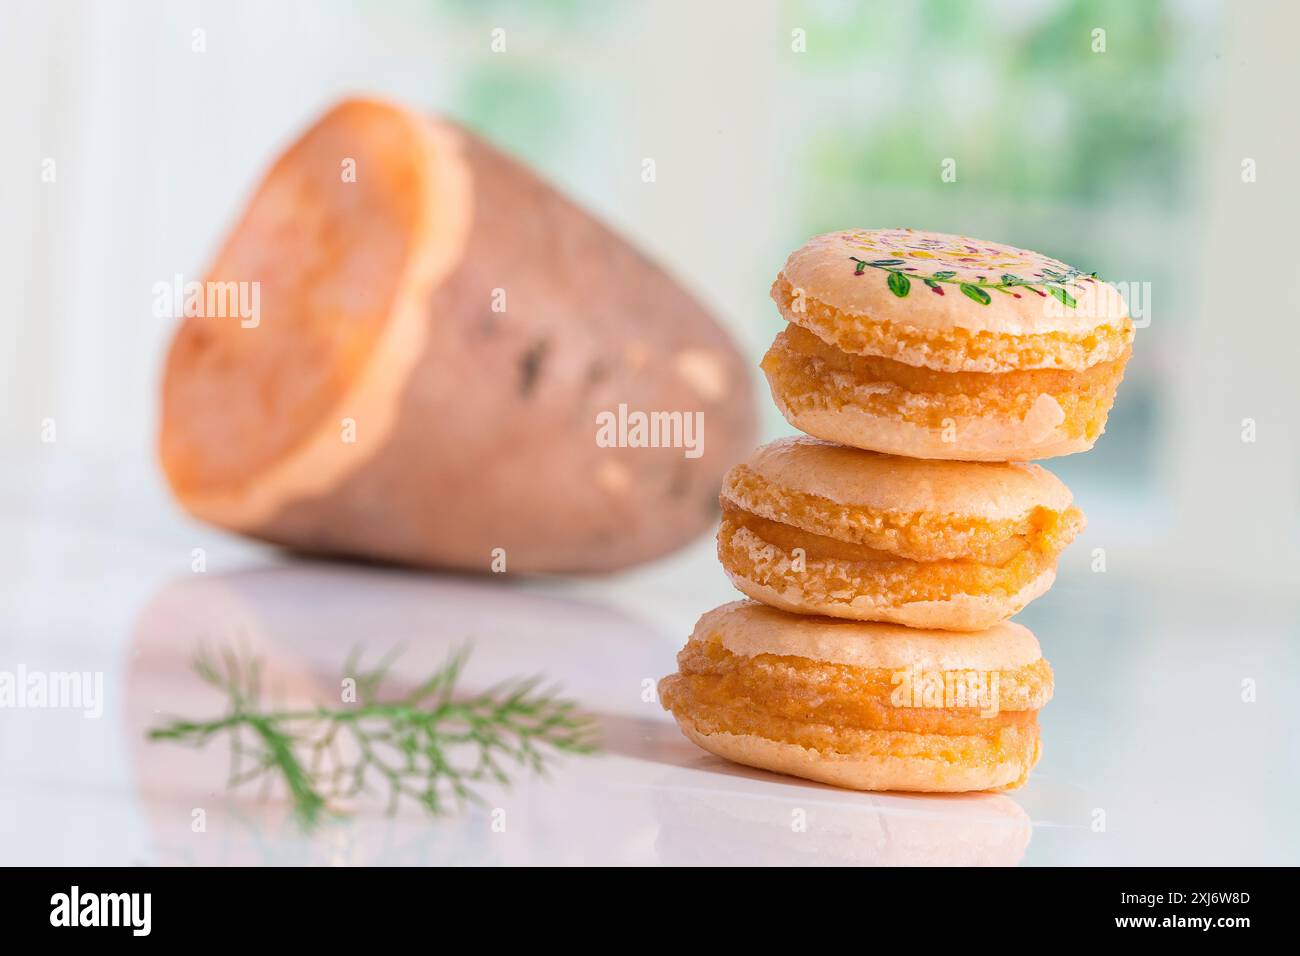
<point>921,536</point>
<point>954,349</point>
<point>844,709</point>
<point>808,373</point>
<point>839,572</point>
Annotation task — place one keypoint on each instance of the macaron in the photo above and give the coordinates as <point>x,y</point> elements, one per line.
<point>939,346</point>
<point>817,528</point>
<point>866,706</point>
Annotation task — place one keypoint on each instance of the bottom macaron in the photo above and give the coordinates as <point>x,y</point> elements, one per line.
<point>866,706</point>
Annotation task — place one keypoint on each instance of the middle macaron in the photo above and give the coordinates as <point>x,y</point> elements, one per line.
<point>816,528</point>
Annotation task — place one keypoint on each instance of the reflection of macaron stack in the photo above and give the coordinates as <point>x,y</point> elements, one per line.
<point>942,363</point>
<point>722,822</point>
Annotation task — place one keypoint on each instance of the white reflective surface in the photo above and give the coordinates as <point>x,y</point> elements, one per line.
<point>1152,756</point>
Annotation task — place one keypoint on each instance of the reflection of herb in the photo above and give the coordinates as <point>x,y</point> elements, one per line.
<point>426,745</point>
<point>1051,281</point>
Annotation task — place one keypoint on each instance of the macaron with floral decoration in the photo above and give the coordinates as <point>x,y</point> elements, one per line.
<point>931,345</point>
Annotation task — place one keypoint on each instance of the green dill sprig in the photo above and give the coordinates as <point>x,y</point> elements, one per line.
<point>427,745</point>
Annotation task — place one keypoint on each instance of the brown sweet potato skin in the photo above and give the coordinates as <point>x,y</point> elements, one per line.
<point>494,443</point>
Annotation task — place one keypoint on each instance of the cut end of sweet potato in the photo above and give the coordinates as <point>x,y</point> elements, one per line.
<point>320,265</point>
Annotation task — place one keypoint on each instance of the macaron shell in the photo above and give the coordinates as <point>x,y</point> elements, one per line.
<point>850,476</point>
<point>1037,436</point>
<point>962,612</point>
<point>829,269</point>
<point>860,772</point>
<point>750,628</point>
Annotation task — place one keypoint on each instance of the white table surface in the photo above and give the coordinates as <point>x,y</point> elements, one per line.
<point>1147,727</point>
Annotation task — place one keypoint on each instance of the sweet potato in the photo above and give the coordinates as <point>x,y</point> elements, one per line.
<point>438,332</point>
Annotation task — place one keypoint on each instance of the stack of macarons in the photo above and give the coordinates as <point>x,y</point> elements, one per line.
<point>884,554</point>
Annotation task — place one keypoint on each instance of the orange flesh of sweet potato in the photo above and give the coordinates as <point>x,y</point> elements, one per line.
<point>328,259</point>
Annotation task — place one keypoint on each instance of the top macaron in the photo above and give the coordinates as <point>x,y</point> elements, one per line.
<point>932,345</point>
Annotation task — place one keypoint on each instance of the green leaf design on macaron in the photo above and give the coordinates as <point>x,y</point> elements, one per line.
<point>899,284</point>
<point>977,290</point>
<point>1064,297</point>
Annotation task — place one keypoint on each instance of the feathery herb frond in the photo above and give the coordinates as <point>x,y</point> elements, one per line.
<point>427,745</point>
